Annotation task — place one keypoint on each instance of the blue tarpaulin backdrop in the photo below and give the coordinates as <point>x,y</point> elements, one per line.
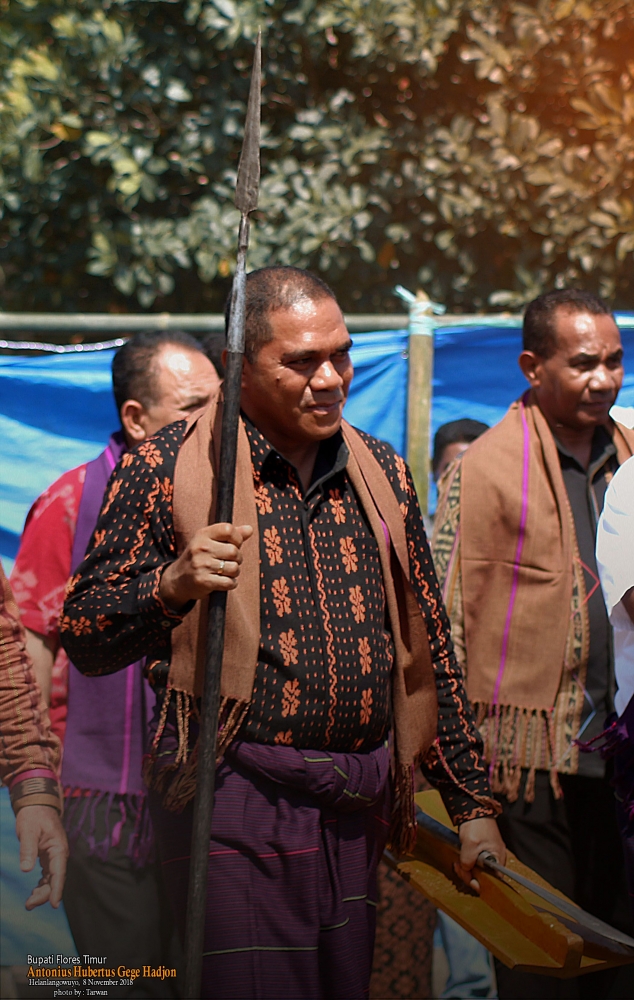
<point>57,411</point>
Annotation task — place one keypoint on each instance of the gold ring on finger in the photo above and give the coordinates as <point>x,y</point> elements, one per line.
<point>221,567</point>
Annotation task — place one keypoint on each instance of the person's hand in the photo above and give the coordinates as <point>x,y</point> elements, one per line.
<point>477,835</point>
<point>41,834</point>
<point>210,562</point>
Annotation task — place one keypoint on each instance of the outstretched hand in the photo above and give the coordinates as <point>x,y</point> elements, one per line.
<point>211,561</point>
<point>477,835</point>
<point>41,834</point>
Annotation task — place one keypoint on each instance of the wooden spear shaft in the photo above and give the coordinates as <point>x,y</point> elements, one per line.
<point>246,200</point>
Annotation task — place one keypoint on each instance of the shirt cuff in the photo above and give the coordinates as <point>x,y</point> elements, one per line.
<point>462,808</point>
<point>466,793</point>
<point>151,604</point>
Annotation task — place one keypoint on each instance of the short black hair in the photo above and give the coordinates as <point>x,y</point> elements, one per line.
<point>269,289</point>
<point>133,370</point>
<point>456,431</point>
<point>213,344</point>
<point>539,334</point>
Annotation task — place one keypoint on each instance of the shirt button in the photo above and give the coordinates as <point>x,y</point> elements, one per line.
<point>166,624</point>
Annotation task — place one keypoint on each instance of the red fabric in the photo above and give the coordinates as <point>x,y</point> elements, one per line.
<point>41,571</point>
<point>35,772</point>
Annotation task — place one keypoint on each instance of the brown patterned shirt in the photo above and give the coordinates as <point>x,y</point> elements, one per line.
<point>323,674</point>
<point>29,751</point>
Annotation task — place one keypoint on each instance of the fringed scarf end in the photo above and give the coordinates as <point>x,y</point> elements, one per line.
<point>505,780</point>
<point>403,828</point>
<point>517,740</point>
<point>80,820</point>
<point>172,771</point>
<point>606,743</point>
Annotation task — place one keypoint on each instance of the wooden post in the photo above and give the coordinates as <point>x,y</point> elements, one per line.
<point>419,387</point>
<point>419,393</point>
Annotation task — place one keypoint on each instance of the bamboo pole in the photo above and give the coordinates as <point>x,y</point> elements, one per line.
<point>419,394</point>
<point>127,323</point>
<point>420,386</point>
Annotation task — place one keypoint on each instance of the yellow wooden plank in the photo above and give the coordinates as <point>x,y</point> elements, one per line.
<point>518,927</point>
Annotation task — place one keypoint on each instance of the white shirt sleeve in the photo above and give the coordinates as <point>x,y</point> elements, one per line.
<point>615,560</point>
<point>615,539</point>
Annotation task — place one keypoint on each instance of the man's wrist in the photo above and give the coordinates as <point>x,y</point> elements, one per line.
<point>150,602</point>
<point>168,592</point>
<point>39,787</point>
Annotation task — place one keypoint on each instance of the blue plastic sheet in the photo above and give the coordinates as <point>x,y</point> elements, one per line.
<point>57,411</point>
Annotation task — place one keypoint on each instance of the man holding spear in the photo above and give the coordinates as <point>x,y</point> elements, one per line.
<point>336,656</point>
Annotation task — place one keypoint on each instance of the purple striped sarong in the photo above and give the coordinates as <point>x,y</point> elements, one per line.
<point>291,902</point>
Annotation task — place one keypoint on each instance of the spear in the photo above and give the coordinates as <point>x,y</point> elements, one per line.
<point>246,200</point>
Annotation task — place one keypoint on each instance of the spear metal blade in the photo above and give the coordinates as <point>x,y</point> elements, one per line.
<point>248,183</point>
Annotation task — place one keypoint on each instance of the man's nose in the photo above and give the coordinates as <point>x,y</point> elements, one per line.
<point>326,377</point>
<point>602,378</point>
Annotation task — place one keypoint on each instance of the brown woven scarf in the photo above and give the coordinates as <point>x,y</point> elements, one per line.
<point>517,545</point>
<point>413,687</point>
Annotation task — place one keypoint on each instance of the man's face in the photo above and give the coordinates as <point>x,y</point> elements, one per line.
<point>296,387</point>
<point>184,380</point>
<point>449,455</point>
<point>578,384</point>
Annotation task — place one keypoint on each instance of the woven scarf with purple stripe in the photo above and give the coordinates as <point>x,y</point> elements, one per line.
<point>107,717</point>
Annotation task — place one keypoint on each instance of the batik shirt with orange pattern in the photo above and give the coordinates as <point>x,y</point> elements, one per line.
<point>326,653</point>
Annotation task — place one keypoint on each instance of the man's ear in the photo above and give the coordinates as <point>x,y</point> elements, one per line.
<point>246,369</point>
<point>530,363</point>
<point>132,415</point>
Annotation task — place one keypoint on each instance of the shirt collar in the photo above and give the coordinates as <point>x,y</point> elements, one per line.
<point>603,448</point>
<point>332,456</point>
<point>261,449</point>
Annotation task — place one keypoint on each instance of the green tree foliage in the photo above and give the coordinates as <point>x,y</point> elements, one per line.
<point>483,151</point>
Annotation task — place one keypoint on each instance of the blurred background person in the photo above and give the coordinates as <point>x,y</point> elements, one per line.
<point>113,895</point>
<point>213,344</point>
<point>29,759</point>
<point>462,967</point>
<point>451,440</point>
<point>29,767</point>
